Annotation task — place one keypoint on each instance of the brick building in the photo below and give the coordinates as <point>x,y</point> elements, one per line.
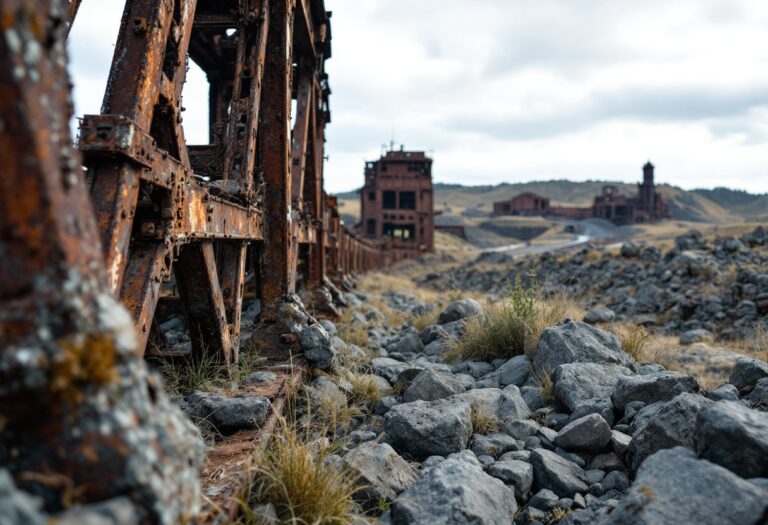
<point>396,202</point>
<point>647,206</point>
<point>526,203</point>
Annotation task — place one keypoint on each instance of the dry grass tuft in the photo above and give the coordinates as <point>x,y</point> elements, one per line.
<point>186,375</point>
<point>509,327</point>
<point>365,391</point>
<point>634,341</point>
<point>483,422</point>
<point>420,322</point>
<point>546,387</point>
<point>305,488</point>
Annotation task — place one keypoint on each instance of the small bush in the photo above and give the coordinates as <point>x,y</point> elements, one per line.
<point>302,485</point>
<point>509,327</point>
<point>482,421</point>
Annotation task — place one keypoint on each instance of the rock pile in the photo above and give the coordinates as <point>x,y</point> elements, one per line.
<point>615,441</point>
<point>696,289</point>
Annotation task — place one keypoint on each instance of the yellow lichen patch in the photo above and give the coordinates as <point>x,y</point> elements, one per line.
<point>90,361</point>
<point>647,492</point>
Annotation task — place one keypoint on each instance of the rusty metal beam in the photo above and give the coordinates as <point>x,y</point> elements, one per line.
<point>276,259</point>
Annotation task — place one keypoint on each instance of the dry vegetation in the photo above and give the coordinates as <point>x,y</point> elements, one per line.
<point>483,422</point>
<point>511,326</point>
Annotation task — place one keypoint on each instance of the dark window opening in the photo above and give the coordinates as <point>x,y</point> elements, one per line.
<point>403,232</point>
<point>389,200</point>
<point>371,227</point>
<point>407,200</point>
<point>371,195</point>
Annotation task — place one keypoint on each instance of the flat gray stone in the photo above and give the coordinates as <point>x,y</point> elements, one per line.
<point>430,385</point>
<point>651,388</point>
<point>229,414</point>
<point>573,342</point>
<point>455,492</point>
<point>317,347</point>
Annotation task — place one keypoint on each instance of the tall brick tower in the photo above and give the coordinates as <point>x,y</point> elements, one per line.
<point>647,190</point>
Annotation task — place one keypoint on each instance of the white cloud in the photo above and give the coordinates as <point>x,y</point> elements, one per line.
<point>511,90</point>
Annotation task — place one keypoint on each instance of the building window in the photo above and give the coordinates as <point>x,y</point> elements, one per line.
<point>371,227</point>
<point>371,195</point>
<point>407,200</point>
<point>404,232</point>
<point>389,200</point>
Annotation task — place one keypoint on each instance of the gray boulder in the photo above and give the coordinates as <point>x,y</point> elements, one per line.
<point>694,336</point>
<point>759,395</point>
<point>17,507</point>
<point>669,424</point>
<point>587,434</point>
<point>115,511</point>
<point>424,428</point>
<point>579,382</point>
<point>493,445</point>
<point>735,437</point>
<point>460,310</point>
<point>505,405</point>
<point>514,372</point>
<point>476,369</point>
<point>604,407</point>
<point>599,314</point>
<point>518,474</point>
<point>674,487</point>
<point>573,342</point>
<point>382,473</point>
<point>388,368</point>
<point>455,492</point>
<point>552,471</point>
<point>747,372</point>
<point>651,388</point>
<point>317,347</point>
<point>228,414</point>
<point>430,385</point>
<point>258,378</point>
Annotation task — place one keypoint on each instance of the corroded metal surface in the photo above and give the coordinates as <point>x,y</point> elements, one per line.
<point>157,224</point>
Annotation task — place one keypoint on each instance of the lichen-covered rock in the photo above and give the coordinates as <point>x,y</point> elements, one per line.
<point>573,342</point>
<point>423,428</point>
<point>735,437</point>
<point>455,492</point>
<point>673,487</point>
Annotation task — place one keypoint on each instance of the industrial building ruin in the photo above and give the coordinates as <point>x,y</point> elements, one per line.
<point>647,206</point>
<point>396,202</point>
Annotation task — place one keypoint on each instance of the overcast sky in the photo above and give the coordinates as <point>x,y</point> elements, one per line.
<point>517,90</point>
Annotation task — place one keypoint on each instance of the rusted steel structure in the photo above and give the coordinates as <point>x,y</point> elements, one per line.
<point>396,202</point>
<point>245,212</point>
<point>248,206</point>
